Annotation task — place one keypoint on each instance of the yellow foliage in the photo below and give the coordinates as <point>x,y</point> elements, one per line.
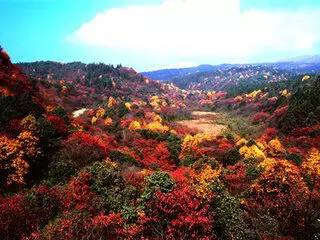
<point>211,94</point>
<point>134,125</point>
<point>306,77</point>
<point>11,159</point>
<point>285,93</point>
<point>108,121</point>
<point>241,142</point>
<point>94,120</point>
<point>28,144</point>
<point>155,102</point>
<point>252,152</point>
<point>154,98</point>
<point>203,179</point>
<point>312,163</point>
<point>50,108</point>
<point>128,106</point>
<point>254,94</point>
<point>172,131</point>
<point>260,145</point>
<point>238,98</point>
<point>100,113</point>
<point>157,127</point>
<point>21,169</point>
<point>8,148</point>
<point>193,141</point>
<point>29,123</point>
<point>157,118</point>
<point>111,102</point>
<point>276,147</point>
<point>267,163</point>
<point>77,126</point>
<point>110,164</point>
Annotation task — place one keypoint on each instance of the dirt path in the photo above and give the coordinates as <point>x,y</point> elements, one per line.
<point>203,122</point>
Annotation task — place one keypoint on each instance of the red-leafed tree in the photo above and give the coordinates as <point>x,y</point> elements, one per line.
<point>178,214</point>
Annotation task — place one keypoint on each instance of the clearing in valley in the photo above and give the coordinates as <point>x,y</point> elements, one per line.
<point>204,122</point>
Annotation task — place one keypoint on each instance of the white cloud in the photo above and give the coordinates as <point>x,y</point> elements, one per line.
<point>201,28</point>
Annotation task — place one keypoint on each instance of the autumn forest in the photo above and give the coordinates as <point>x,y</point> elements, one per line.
<point>95,151</point>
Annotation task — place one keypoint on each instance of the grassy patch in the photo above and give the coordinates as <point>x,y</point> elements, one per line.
<point>239,124</point>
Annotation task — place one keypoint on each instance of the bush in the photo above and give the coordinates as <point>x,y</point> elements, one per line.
<point>230,222</point>
<point>178,214</point>
<point>174,146</point>
<point>230,157</point>
<point>157,181</point>
<point>60,169</point>
<point>253,172</point>
<point>121,157</point>
<point>188,161</point>
<point>108,183</point>
<point>297,159</point>
<point>148,134</point>
<point>78,151</point>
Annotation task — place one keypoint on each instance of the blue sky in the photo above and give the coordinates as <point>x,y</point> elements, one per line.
<point>151,34</point>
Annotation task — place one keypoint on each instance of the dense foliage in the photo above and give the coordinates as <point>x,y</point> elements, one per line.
<point>100,152</point>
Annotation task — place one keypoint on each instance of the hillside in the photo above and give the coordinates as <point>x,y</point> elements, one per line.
<point>93,151</point>
<point>226,77</point>
<point>168,74</point>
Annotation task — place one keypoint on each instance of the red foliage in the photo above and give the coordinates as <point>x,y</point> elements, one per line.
<point>177,215</point>
<point>305,138</point>
<point>107,226</point>
<point>77,195</point>
<point>103,142</point>
<point>134,178</point>
<point>279,112</point>
<point>13,217</point>
<point>14,126</point>
<point>182,175</point>
<point>296,150</point>
<point>268,134</point>
<point>260,117</point>
<point>281,191</point>
<point>153,154</point>
<point>58,123</point>
<point>236,178</point>
<point>20,214</point>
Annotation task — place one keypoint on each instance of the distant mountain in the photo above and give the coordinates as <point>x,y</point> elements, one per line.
<point>168,74</point>
<point>234,76</point>
<point>226,76</point>
<point>307,59</point>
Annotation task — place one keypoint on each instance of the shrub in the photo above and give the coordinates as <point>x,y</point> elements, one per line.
<point>187,161</point>
<point>78,151</point>
<point>253,172</point>
<point>229,157</point>
<point>230,221</point>
<point>121,157</point>
<point>296,158</point>
<point>174,146</point>
<point>260,117</point>
<point>157,181</point>
<point>178,214</point>
<point>108,183</point>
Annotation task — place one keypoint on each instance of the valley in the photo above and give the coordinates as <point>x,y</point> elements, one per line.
<point>159,120</point>
<point>95,151</point>
<point>203,122</point>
